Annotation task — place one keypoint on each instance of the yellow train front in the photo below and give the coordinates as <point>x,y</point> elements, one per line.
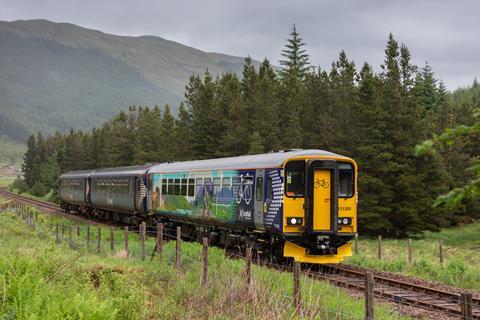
<point>319,207</point>
<point>298,204</point>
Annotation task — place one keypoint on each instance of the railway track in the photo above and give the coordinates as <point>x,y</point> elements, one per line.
<point>388,288</point>
<point>400,291</point>
<point>46,206</point>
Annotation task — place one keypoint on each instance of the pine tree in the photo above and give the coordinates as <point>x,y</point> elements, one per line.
<point>29,161</point>
<point>255,146</point>
<point>292,91</point>
<point>344,102</point>
<point>168,136</point>
<point>184,133</point>
<point>373,154</point>
<point>296,59</point>
<point>266,122</point>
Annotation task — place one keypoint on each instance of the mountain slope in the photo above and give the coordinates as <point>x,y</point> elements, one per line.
<point>54,76</point>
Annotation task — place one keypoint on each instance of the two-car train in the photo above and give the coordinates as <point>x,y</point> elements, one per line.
<point>300,204</point>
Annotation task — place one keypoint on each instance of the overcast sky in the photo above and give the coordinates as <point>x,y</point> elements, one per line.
<point>445,33</point>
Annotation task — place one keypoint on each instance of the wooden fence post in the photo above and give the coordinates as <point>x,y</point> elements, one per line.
<point>369,294</point>
<point>112,240</point>
<point>160,239</point>
<point>296,287</point>
<point>99,240</point>
<point>248,266</point>
<point>63,232</point>
<point>379,248</point>
<point>356,244</point>
<point>70,236</point>
<point>177,248</point>
<point>88,236</point>
<point>205,261</point>
<point>126,240</point>
<point>57,235</point>
<point>466,303</point>
<point>142,240</point>
<point>410,252</point>
<point>440,249</point>
<point>78,237</point>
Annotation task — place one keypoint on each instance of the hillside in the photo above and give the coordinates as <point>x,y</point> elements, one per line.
<point>57,75</point>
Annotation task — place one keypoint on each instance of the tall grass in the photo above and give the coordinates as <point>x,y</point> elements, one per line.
<point>462,256</point>
<point>42,280</point>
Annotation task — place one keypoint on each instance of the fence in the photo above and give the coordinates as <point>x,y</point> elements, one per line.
<point>108,239</point>
<point>410,252</point>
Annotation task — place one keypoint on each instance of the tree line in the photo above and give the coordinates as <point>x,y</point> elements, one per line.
<point>377,118</point>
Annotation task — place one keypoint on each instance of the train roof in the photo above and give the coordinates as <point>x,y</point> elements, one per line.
<point>76,174</point>
<point>109,172</point>
<point>267,160</point>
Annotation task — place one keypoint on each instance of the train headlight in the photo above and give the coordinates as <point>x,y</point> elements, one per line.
<point>345,221</point>
<point>294,221</point>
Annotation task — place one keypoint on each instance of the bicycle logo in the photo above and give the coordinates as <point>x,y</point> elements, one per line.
<point>321,183</point>
<point>244,193</point>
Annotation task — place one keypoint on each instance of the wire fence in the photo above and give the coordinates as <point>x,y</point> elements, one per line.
<point>142,243</point>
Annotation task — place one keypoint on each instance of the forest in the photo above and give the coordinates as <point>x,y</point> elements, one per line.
<point>412,139</point>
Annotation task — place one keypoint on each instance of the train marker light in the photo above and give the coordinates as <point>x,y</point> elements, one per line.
<point>294,221</point>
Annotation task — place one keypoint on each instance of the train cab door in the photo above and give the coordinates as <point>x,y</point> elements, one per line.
<point>259,198</point>
<point>322,197</point>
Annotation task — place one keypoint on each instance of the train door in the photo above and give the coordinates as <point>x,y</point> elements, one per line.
<point>259,198</point>
<point>323,196</point>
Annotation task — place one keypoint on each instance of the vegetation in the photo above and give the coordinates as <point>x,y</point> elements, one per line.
<point>377,119</point>
<point>462,258</point>
<point>47,281</point>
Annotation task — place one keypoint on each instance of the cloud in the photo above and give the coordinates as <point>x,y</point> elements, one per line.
<point>445,33</point>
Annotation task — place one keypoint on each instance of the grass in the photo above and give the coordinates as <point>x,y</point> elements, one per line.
<point>462,256</point>
<point>6,181</point>
<point>42,280</point>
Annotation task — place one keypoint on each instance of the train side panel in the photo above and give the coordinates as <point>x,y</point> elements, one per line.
<point>113,193</point>
<point>237,198</point>
<point>72,190</point>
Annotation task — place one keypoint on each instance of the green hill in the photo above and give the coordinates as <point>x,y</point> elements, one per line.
<point>57,75</point>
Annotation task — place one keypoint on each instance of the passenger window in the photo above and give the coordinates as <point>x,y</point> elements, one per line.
<point>259,189</point>
<point>295,178</point>
<point>191,187</point>
<point>217,185</point>
<point>170,187</point>
<point>164,186</point>
<point>177,187</point>
<point>269,188</point>
<point>183,190</point>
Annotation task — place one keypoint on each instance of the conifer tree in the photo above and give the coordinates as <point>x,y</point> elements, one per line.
<point>29,162</point>
<point>296,66</point>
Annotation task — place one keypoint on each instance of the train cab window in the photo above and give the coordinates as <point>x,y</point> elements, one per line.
<point>259,191</point>
<point>347,182</point>
<point>170,187</point>
<point>183,187</point>
<point>295,178</point>
<point>191,187</point>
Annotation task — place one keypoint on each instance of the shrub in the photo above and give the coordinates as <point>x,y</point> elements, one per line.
<point>39,189</point>
<point>19,184</point>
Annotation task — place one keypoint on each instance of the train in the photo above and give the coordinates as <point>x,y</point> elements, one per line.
<point>297,204</point>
